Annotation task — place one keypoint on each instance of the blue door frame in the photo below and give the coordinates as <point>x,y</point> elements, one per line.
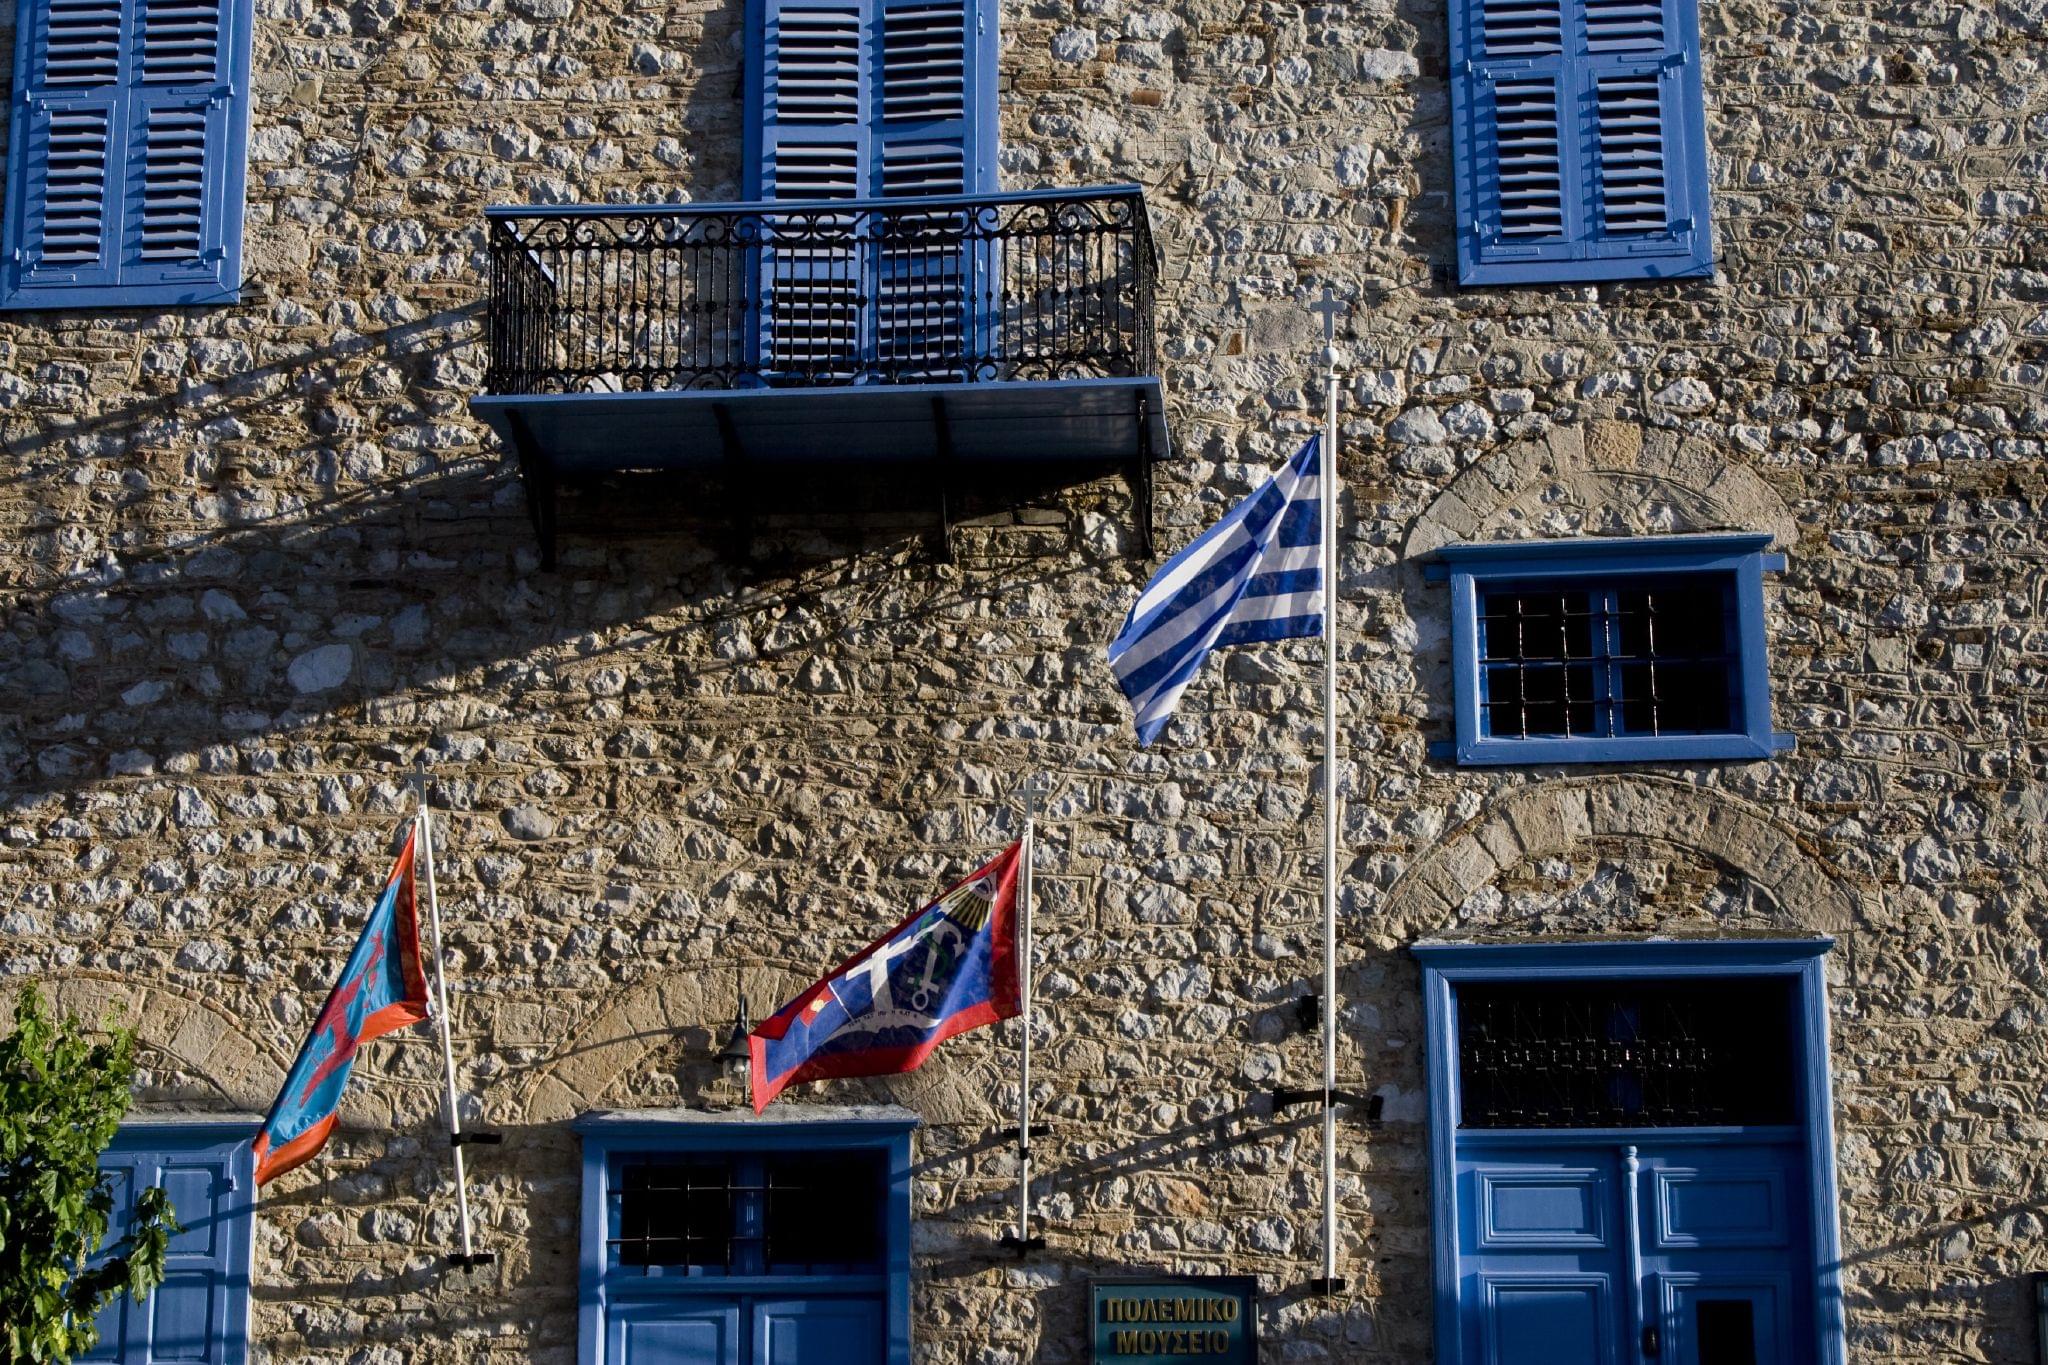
<point>610,1303</point>
<point>1445,966</point>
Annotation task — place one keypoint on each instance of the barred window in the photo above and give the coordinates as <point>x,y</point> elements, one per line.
<point>799,1213</point>
<point>1604,661</point>
<point>1610,650</point>
<point>1632,1054</point>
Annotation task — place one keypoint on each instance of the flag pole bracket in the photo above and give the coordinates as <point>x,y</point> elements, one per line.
<point>1013,1133</point>
<point>473,1139</point>
<point>1371,1107</point>
<point>942,445</point>
<point>1023,1246</point>
<point>462,1260</point>
<point>1326,1286</point>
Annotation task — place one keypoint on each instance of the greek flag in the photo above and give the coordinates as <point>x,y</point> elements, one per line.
<point>1255,575</point>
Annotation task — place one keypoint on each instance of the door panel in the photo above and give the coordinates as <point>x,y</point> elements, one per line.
<point>113,1319</point>
<point>1710,1320</point>
<point>1723,1205</point>
<point>1543,1208</point>
<point>1547,1320</point>
<point>817,1332</point>
<point>687,1333</point>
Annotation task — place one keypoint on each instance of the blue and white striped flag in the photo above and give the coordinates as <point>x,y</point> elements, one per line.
<point>1255,575</point>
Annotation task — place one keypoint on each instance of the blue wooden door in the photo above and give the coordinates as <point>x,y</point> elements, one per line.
<point>1630,1253</point>
<point>694,1330</point>
<point>199,1314</point>
<point>1722,1254</point>
<point>1542,1261</point>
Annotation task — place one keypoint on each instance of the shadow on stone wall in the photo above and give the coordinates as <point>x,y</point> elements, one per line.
<point>162,625</point>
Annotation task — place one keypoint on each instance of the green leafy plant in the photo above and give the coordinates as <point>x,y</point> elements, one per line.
<point>62,1095</point>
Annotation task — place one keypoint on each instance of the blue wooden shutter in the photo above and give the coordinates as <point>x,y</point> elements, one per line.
<point>1579,133</point>
<point>126,159</point>
<point>199,1315</point>
<point>864,99</point>
<point>936,137</point>
<point>807,136</point>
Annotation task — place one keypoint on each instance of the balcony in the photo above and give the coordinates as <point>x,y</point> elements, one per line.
<point>962,336</point>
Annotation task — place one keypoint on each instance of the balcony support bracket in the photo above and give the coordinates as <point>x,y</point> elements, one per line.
<point>739,484</point>
<point>540,490</point>
<point>1141,477</point>
<point>942,439</point>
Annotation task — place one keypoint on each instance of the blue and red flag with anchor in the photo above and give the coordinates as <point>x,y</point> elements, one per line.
<point>383,987</point>
<point>950,967</point>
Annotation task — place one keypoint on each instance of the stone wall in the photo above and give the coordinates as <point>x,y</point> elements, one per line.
<point>257,557</point>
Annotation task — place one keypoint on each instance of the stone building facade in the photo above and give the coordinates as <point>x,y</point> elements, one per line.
<point>259,556</point>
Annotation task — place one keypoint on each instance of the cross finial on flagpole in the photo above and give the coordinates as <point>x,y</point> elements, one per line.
<point>1035,789</point>
<point>1330,307</point>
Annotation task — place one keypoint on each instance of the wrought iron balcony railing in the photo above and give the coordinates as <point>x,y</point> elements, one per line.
<point>971,289</point>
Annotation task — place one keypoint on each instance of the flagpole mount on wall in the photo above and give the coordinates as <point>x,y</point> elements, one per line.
<point>469,1256</point>
<point>1020,1239</point>
<point>1329,486</point>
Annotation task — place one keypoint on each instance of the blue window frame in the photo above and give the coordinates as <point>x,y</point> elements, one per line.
<point>712,1240</point>
<point>1579,132</point>
<point>1610,651</point>
<point>1718,1234</point>
<point>126,157</point>
<point>200,1313</point>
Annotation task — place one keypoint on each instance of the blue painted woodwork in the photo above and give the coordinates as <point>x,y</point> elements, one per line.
<point>1583,1237</point>
<point>853,99</point>
<point>817,1331</point>
<point>1605,565</point>
<point>1578,129</point>
<point>1099,422</point>
<point>200,1313</point>
<point>670,1333</point>
<point>674,1316</point>
<point>1604,1237</point>
<point>126,160</point>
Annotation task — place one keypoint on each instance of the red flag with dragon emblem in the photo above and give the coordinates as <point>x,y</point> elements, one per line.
<point>383,987</point>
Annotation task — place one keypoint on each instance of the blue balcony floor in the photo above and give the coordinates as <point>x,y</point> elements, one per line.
<point>1086,426</point>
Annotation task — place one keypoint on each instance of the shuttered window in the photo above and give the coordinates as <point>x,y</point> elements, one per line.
<point>1580,137</point>
<point>868,99</point>
<point>125,164</point>
<point>199,1315</point>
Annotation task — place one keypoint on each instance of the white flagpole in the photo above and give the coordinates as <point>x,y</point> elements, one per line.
<point>1023,1241</point>
<point>1024,975</point>
<point>1328,486</point>
<point>423,822</point>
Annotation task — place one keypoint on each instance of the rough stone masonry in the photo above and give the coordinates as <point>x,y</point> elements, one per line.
<point>257,557</point>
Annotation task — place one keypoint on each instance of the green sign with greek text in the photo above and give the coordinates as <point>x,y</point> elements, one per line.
<point>1176,1318</point>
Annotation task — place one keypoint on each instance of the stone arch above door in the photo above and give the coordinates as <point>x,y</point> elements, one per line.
<point>198,1037</point>
<point>1601,478</point>
<point>1559,819</point>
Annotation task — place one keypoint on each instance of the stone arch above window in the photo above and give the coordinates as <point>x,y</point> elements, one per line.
<point>656,1043</point>
<point>1602,478</point>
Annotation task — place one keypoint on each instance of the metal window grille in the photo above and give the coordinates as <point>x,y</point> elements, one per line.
<point>1635,1054</point>
<point>1603,661</point>
<point>778,1214</point>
